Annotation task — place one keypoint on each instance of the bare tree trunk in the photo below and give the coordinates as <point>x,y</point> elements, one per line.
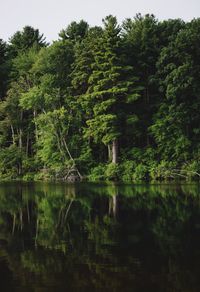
<point>28,212</point>
<point>20,132</point>
<point>20,139</point>
<point>115,151</point>
<point>27,144</point>
<point>21,219</point>
<point>67,149</point>
<point>14,223</point>
<point>36,231</point>
<point>36,129</point>
<point>20,145</point>
<point>109,153</point>
<point>13,134</point>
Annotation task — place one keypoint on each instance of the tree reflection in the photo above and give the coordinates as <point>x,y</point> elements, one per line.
<point>102,236</point>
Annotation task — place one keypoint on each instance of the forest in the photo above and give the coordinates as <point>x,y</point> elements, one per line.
<point>113,102</point>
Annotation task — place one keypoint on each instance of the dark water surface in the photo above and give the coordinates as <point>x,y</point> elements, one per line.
<point>98,237</point>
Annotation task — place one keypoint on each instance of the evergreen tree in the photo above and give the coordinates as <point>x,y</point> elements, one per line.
<point>23,40</point>
<point>3,68</point>
<point>110,88</point>
<point>176,127</point>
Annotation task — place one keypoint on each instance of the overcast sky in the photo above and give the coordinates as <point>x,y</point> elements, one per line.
<point>50,16</point>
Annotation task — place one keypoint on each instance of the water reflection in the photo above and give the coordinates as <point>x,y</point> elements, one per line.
<point>58,237</point>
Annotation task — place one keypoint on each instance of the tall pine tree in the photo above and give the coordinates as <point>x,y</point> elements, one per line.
<point>112,85</point>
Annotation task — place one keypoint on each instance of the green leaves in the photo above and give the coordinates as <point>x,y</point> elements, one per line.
<point>101,128</point>
<point>101,92</point>
<point>31,99</point>
<point>110,86</point>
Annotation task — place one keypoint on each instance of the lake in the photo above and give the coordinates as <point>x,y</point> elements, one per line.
<point>99,237</point>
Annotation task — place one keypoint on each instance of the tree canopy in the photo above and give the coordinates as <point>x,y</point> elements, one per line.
<point>117,102</point>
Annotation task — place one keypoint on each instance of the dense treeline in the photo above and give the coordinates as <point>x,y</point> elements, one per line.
<point>111,102</point>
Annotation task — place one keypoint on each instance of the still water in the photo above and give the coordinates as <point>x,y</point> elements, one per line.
<point>99,237</point>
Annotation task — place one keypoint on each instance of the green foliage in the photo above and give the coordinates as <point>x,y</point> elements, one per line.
<point>25,39</point>
<point>44,175</point>
<point>29,176</point>
<point>127,169</point>
<point>140,173</point>
<point>162,170</point>
<point>97,173</point>
<point>10,162</point>
<point>112,172</point>
<point>191,170</point>
<point>75,31</point>
<point>108,90</point>
<point>86,160</point>
<point>4,66</point>
<point>115,102</point>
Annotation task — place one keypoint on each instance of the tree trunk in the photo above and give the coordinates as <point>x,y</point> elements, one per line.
<point>27,144</point>
<point>115,151</point>
<point>21,132</point>
<point>109,153</point>
<point>14,223</point>
<point>20,145</point>
<point>36,128</point>
<point>13,134</point>
<point>20,139</point>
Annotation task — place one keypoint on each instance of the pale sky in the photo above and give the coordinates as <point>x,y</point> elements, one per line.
<point>50,16</point>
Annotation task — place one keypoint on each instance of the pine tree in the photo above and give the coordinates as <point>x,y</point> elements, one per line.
<point>111,86</point>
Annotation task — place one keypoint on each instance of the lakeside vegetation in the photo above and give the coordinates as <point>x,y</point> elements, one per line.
<point>117,102</point>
